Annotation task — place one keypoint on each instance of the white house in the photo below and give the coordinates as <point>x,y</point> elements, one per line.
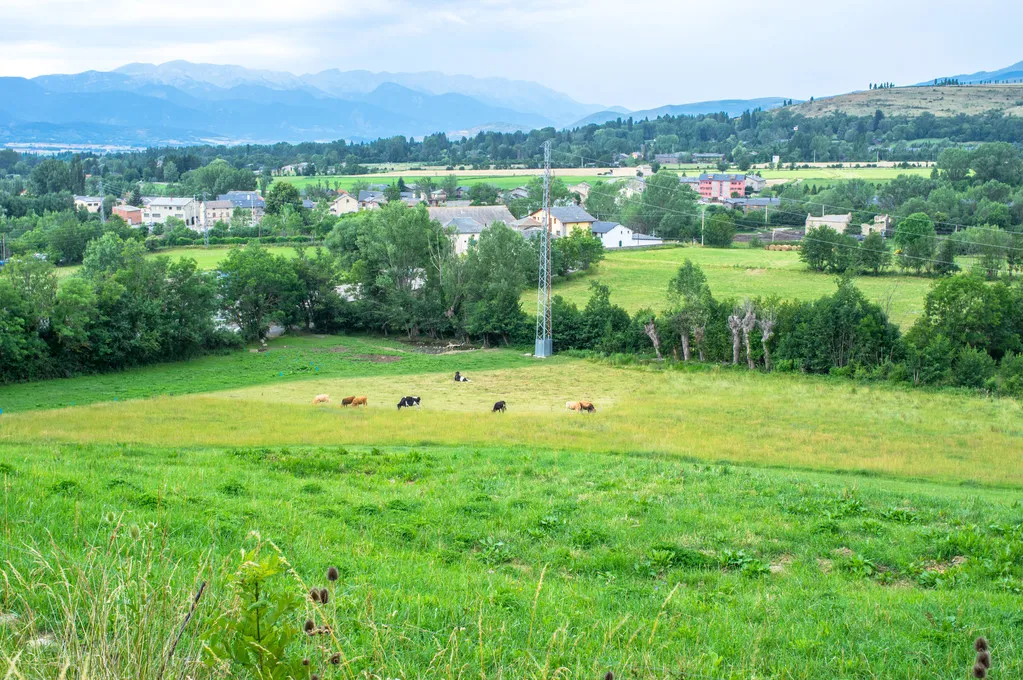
<point>641,240</point>
<point>90,203</point>
<point>612,234</point>
<point>156,210</point>
<point>343,204</point>
<point>466,231</point>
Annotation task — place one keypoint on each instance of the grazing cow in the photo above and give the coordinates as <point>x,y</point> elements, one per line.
<point>499,406</point>
<point>359,401</point>
<point>408,402</point>
<point>572,405</point>
<point>347,401</point>
<point>321,399</point>
<point>461,378</point>
<point>587,406</point>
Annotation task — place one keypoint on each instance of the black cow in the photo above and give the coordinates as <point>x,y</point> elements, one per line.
<point>408,402</point>
<point>460,378</point>
<point>499,406</point>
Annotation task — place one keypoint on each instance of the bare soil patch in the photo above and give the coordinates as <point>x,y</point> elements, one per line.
<point>378,358</point>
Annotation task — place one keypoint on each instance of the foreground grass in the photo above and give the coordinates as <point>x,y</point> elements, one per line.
<point>507,562</point>
<point>639,278</point>
<point>709,415</point>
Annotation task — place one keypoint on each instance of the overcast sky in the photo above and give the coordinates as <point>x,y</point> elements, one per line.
<point>633,53</point>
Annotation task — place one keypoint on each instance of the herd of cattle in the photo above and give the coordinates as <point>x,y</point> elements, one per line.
<point>409,402</point>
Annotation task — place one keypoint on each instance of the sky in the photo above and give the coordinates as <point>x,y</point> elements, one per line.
<point>637,53</point>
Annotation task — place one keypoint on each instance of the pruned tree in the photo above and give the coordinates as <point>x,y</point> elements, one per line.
<point>735,325</point>
<point>749,322</point>
<point>766,323</point>
<point>698,333</point>
<point>650,328</point>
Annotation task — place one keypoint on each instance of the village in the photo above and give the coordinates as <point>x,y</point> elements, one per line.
<point>466,220</point>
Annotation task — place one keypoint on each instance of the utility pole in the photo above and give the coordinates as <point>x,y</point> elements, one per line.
<point>205,223</point>
<point>703,223</point>
<point>102,207</point>
<point>544,345</point>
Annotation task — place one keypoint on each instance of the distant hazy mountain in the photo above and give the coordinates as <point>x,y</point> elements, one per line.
<point>182,102</point>
<point>1011,73</point>
<point>733,107</point>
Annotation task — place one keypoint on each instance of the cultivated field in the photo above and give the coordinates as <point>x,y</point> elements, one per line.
<point>912,101</point>
<point>695,526</point>
<point>639,278</point>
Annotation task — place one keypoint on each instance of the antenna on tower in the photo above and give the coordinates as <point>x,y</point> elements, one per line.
<point>544,343</point>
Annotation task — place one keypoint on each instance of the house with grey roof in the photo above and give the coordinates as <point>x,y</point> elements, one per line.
<point>484,214</point>
<point>464,232</point>
<point>246,200</point>
<point>565,219</point>
<point>90,203</point>
<point>748,204</point>
<point>370,200</point>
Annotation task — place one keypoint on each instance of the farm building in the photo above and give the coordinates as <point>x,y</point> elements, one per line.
<point>641,240</point>
<point>484,214</point>
<point>566,219</point>
<point>370,200</point>
<point>708,157</point>
<point>837,222</point>
<point>881,224</point>
<point>748,204</point>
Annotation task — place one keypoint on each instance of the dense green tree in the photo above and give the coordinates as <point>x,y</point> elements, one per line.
<point>282,194</point>
<point>825,250</point>
<point>258,289</point>
<point>999,161</point>
<point>915,241</point>
<point>719,230</point>
<point>954,163</point>
<point>873,255</point>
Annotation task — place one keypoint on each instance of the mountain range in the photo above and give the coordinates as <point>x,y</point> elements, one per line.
<point>180,102</point>
<point>1009,73</point>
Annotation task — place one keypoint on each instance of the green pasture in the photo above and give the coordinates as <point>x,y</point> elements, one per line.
<point>704,523</point>
<point>639,278</point>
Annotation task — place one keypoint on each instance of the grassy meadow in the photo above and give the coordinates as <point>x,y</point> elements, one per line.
<point>205,258</point>
<point>639,278</point>
<point>703,523</point>
<point>500,181</point>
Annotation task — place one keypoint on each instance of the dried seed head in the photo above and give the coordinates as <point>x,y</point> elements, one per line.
<point>980,644</point>
<point>979,671</point>
<point>309,625</point>
<point>336,658</point>
<point>332,574</point>
<point>314,595</point>
<point>609,676</point>
<point>305,662</point>
<point>984,658</point>
<point>324,595</point>
<point>314,676</point>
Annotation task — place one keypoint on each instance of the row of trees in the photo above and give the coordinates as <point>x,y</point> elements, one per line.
<point>970,335</point>
<point>392,270</point>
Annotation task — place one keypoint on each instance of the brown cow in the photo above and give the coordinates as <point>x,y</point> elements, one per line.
<point>572,405</point>
<point>347,401</point>
<point>587,406</point>
<point>359,401</point>
<point>321,399</point>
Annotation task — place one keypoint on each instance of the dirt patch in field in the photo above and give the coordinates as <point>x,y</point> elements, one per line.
<point>378,358</point>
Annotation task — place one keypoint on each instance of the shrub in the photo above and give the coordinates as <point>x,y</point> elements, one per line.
<point>972,368</point>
